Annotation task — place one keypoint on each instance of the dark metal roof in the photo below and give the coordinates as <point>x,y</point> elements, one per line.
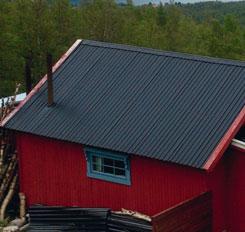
<point>168,106</point>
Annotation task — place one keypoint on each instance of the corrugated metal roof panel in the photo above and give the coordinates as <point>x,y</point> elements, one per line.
<point>169,106</point>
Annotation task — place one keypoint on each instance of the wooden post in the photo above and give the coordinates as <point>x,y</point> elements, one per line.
<point>2,145</point>
<point>8,198</point>
<point>22,205</point>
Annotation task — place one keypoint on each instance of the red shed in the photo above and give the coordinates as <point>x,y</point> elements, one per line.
<point>135,128</point>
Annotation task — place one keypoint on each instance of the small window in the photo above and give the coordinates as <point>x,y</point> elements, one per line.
<point>109,166</point>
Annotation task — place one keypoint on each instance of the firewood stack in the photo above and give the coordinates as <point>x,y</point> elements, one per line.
<point>8,158</point>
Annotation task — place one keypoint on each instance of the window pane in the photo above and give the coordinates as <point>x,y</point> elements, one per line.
<point>97,167</point>
<point>109,170</point>
<point>108,166</point>
<point>119,172</point>
<point>96,159</point>
<point>108,162</point>
<point>119,164</point>
<point>97,164</point>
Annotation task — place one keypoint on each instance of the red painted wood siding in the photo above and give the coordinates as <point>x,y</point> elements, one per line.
<point>217,184</point>
<point>54,173</point>
<point>176,219</point>
<point>236,191</point>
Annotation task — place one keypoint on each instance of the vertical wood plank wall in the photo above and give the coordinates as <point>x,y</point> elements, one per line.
<point>54,173</point>
<point>193,215</point>
<point>236,191</point>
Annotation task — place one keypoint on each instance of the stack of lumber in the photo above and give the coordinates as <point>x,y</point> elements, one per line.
<point>122,223</point>
<point>55,218</point>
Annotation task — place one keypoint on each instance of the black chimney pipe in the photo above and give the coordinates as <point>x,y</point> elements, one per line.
<point>50,80</point>
<point>28,81</point>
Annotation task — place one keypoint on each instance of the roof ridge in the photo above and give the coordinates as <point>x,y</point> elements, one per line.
<point>178,55</point>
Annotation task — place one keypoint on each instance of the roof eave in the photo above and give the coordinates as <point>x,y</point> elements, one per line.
<point>41,82</point>
<point>225,141</point>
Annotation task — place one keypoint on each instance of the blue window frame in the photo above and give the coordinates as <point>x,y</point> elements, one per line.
<point>109,166</point>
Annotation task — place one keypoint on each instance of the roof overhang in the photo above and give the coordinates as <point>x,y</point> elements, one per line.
<point>41,82</point>
<point>225,141</point>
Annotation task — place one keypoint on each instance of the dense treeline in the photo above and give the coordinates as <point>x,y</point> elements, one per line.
<point>30,29</point>
<point>200,11</point>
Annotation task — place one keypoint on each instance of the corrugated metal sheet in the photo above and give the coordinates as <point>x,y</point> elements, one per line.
<point>163,105</point>
<point>126,223</point>
<point>58,218</point>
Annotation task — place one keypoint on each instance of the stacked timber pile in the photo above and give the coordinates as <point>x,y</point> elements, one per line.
<point>8,159</point>
<point>55,218</point>
<point>129,221</point>
<point>58,218</point>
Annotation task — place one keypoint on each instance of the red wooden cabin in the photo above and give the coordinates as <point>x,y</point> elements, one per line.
<point>135,128</point>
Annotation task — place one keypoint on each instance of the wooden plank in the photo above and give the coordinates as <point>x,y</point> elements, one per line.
<point>193,215</point>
